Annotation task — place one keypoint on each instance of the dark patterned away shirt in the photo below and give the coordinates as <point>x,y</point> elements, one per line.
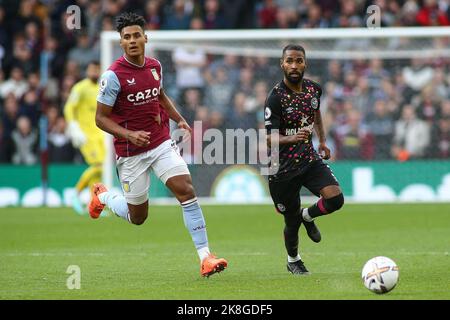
<point>288,112</point>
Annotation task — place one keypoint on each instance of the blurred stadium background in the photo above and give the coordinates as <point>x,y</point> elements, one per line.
<point>386,106</point>
<point>386,98</point>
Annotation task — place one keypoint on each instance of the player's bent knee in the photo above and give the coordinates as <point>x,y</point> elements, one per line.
<point>138,220</point>
<point>188,192</point>
<point>335,203</point>
<point>138,213</point>
<point>185,192</point>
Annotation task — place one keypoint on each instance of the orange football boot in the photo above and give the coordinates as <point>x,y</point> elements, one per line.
<point>211,264</point>
<point>95,206</point>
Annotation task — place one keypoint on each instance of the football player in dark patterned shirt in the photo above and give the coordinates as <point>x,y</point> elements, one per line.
<point>292,110</point>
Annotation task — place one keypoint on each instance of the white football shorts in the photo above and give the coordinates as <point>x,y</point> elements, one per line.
<point>134,172</point>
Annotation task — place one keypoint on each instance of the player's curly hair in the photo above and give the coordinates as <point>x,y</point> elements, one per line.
<point>294,47</point>
<point>127,19</point>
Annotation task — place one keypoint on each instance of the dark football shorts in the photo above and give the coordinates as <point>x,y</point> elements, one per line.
<point>286,193</point>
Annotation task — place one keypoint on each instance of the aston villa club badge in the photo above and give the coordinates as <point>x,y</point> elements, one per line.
<point>155,74</point>
<point>126,186</point>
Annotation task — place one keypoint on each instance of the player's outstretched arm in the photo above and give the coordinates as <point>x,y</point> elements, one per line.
<point>103,121</point>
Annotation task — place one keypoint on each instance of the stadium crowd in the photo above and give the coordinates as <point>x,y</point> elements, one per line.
<point>373,109</point>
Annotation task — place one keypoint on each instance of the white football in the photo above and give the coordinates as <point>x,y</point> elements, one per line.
<point>380,274</point>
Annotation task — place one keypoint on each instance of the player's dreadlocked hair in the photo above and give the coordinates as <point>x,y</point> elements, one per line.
<point>295,47</point>
<point>127,19</point>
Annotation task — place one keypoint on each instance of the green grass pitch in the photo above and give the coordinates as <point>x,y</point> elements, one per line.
<point>158,261</point>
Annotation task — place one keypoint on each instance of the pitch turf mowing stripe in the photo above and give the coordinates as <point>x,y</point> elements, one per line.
<point>158,261</point>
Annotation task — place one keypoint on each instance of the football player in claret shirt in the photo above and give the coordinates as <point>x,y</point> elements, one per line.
<point>128,107</point>
<point>292,110</point>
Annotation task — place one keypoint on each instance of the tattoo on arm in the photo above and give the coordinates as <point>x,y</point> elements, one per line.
<point>318,125</point>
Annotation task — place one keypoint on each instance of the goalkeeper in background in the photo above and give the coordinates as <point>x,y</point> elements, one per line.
<point>79,112</point>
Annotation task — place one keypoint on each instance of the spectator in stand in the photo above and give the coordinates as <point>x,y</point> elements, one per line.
<point>363,99</point>
<point>33,40</point>
<point>60,148</point>
<point>34,84</point>
<point>440,144</point>
<point>349,88</point>
<point>445,109</point>
<point>179,18</point>
<point>30,108</point>
<point>22,54</point>
<point>408,13</point>
<point>113,7</point>
<point>193,110</point>
<point>417,74</point>
<point>216,120</point>
<point>375,73</point>
<point>335,71</point>
<point>191,103</point>
<point>348,15</point>
<point>440,85</point>
<point>353,141</point>
<point>285,19</point>
<point>229,63</point>
<point>25,15</point>
<point>432,15</point>
<point>4,36</point>
<point>427,105</point>
<point>16,84</point>
<point>53,59</point>
<point>440,134</point>
<point>238,117</point>
<point>10,115</point>
<point>264,69</point>
<point>153,15</point>
<point>412,136</point>
<point>219,92</point>
<point>267,14</point>
<point>189,63</point>
<point>213,17</point>
<point>239,14</point>
<point>197,24</point>
<point>94,16</point>
<point>329,9</point>
<point>314,18</point>
<point>108,24</point>
<point>52,112</point>
<point>67,38</point>
<point>25,140</point>
<point>246,81</point>
<point>255,102</point>
<point>380,124</point>
<point>83,53</point>
<point>5,146</point>
<point>67,84</point>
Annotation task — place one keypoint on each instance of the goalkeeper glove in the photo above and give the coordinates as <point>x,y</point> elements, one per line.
<point>76,134</point>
